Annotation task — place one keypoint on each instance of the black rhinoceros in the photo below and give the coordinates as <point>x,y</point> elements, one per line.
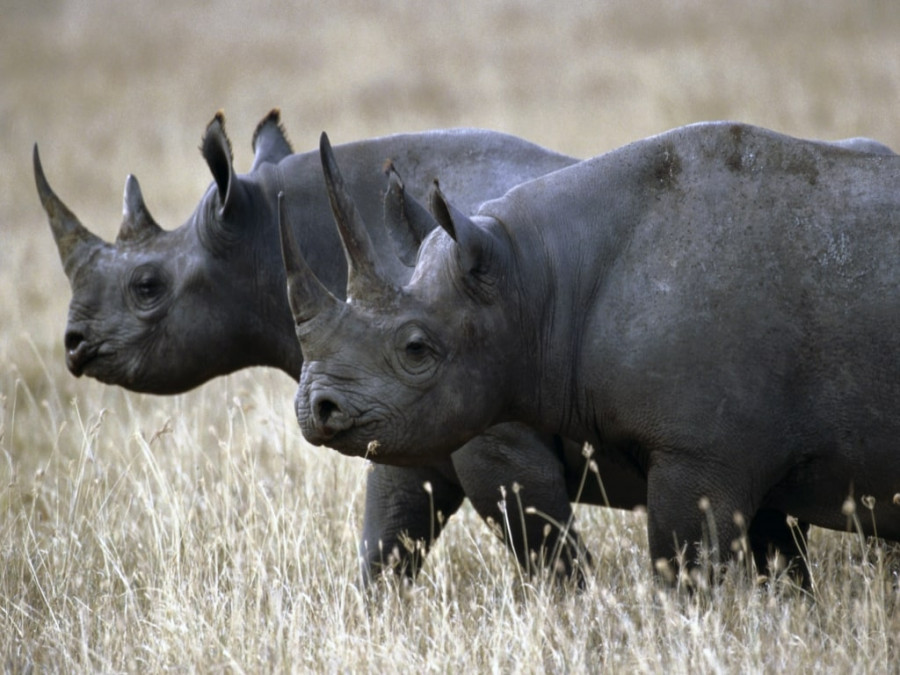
<point>163,311</point>
<point>718,305</point>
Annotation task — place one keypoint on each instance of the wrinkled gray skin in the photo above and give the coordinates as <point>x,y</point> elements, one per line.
<point>716,306</point>
<point>164,311</point>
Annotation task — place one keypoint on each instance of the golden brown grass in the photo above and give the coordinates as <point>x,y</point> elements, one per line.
<point>198,532</point>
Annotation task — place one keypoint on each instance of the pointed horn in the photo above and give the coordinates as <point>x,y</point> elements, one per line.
<point>73,240</point>
<point>408,221</point>
<point>365,276</point>
<point>307,296</point>
<point>270,142</point>
<point>137,223</point>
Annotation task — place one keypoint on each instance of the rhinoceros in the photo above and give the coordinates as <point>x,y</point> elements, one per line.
<point>163,311</point>
<point>716,306</point>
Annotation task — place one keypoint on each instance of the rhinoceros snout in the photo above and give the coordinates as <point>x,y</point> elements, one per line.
<point>329,415</point>
<point>78,352</point>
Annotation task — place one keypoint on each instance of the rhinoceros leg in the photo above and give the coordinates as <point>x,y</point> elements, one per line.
<point>769,534</point>
<point>403,518</point>
<point>691,507</point>
<point>516,478</point>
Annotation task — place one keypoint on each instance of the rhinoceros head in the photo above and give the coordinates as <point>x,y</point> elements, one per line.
<point>153,296</point>
<point>409,360</point>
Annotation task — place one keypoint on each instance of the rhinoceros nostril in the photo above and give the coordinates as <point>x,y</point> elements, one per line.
<point>73,340</point>
<point>325,409</point>
<point>330,416</point>
<point>79,352</point>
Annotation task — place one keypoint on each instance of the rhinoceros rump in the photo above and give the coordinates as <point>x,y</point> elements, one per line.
<point>717,305</point>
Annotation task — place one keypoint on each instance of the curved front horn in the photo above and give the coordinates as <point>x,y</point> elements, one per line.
<point>137,223</point>
<point>307,296</point>
<point>365,275</point>
<point>73,240</point>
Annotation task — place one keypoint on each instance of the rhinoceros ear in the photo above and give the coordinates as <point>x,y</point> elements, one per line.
<point>408,221</point>
<point>74,241</point>
<point>475,246</point>
<point>216,149</point>
<point>307,296</point>
<point>366,277</point>
<point>270,143</point>
<point>137,223</point>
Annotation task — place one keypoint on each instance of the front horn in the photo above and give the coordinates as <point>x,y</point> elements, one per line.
<point>73,240</point>
<point>365,276</point>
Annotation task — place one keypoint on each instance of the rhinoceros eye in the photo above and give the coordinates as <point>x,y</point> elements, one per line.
<point>416,348</point>
<point>416,351</point>
<point>147,287</point>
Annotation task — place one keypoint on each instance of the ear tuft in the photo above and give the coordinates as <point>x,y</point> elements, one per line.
<point>474,244</point>
<point>440,209</point>
<point>216,128</point>
<point>270,142</point>
<point>216,150</point>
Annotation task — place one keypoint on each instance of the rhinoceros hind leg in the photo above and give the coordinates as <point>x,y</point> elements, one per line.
<point>770,535</point>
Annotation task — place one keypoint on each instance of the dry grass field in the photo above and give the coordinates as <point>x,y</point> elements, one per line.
<point>198,533</point>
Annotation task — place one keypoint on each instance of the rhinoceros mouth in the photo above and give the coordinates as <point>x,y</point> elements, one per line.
<point>353,440</point>
<point>84,357</point>
<point>78,358</point>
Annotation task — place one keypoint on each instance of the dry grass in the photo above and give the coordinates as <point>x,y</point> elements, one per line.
<point>198,532</point>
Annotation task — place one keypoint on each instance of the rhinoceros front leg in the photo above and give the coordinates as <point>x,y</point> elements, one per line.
<point>691,507</point>
<point>516,478</point>
<point>405,510</point>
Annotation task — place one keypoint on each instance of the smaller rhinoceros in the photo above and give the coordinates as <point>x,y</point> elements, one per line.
<point>717,304</point>
<point>163,311</point>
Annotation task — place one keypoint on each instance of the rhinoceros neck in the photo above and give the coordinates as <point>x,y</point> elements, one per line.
<point>567,230</point>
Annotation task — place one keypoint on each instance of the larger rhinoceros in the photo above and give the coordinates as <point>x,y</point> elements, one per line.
<point>718,305</point>
<point>163,311</point>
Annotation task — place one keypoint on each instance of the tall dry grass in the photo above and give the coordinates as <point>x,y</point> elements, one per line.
<point>199,532</point>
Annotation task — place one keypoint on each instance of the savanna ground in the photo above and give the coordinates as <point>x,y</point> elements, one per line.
<point>199,532</point>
